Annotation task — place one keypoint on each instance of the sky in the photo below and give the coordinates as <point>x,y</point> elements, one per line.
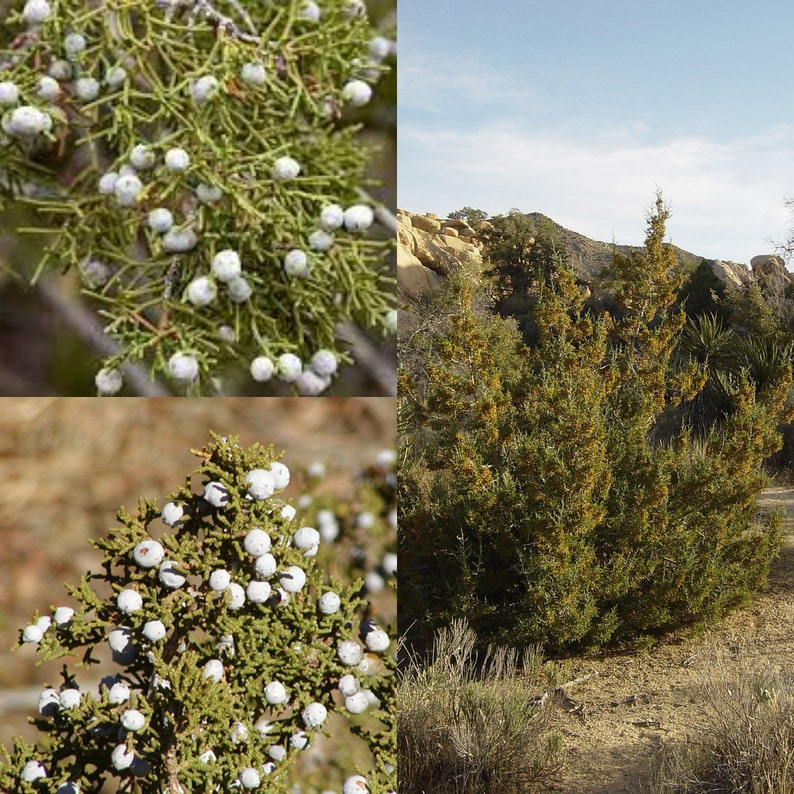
<point>584,109</point>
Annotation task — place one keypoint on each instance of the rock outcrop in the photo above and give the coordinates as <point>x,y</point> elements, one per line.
<point>429,249</point>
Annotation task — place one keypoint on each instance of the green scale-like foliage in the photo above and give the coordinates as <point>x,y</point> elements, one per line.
<point>286,639</point>
<point>536,502</point>
<point>233,140</point>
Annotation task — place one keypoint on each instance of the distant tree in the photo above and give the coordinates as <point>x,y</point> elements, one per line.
<point>702,293</point>
<point>472,216</point>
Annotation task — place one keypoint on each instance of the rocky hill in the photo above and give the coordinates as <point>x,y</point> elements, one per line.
<point>429,248</point>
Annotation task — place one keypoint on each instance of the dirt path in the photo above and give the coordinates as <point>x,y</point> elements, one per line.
<point>621,717</point>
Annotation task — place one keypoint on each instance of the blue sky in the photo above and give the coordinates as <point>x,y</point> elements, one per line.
<point>582,109</point>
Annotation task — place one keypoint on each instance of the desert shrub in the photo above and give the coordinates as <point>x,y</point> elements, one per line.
<point>746,743</point>
<point>235,646</point>
<point>475,726</point>
<point>198,168</point>
<point>537,503</point>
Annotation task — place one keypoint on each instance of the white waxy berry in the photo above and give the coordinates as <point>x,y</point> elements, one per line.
<point>177,159</point>
<point>289,367</point>
<point>94,273</point>
<point>183,366</point>
<point>119,693</point>
<point>314,715</point>
<point>133,720</point>
<point>142,157</point>
<point>280,474</point>
<point>263,726</point>
<point>306,538</point>
<point>329,603</point>
<point>216,493</point>
<point>374,582</point>
<point>329,531</point>
<point>239,290</point>
<point>73,44</point>
<point>386,458</point>
<point>236,595</point>
<point>169,574</point>
<point>348,685</point>
<point>261,484</point>
<point>286,168</point>
<point>377,641</point>
<point>253,73</point>
<point>201,291</point>
<point>357,93</point>
<point>262,369</point>
<point>238,733</point>
<point>107,183</point>
<point>226,265</point>
<point>288,512</point>
<point>296,264</point>
<point>226,333</point>
<point>153,630</point>
<point>48,88</point>
<point>321,240</point>
<point>203,89</point>
<point>355,784</point>
<point>68,788</point>
<point>309,384</point>
<point>299,740</point>
<point>276,693</point>
<point>265,566</point>
<point>208,194</point>
<point>9,93</point>
<point>129,601</point>
<point>219,580</point>
<point>293,579</point>
<point>63,616</point>
<point>257,542</point>
<point>70,699</point>
<point>61,70</point>
<point>26,121</point>
<point>389,563</point>
<point>380,48</point>
<point>108,381</point>
<point>357,703</point>
<point>172,513</point>
<point>49,702</point>
<point>277,752</point>
<point>178,241</point>
<point>207,756</point>
<point>115,76</point>
<point>121,645</point>
<point>258,592</point>
<point>33,770</point>
<point>36,11</point>
<point>249,777</point>
<point>160,220</point>
<point>353,9</point>
<point>332,217</point>
<point>87,88</point>
<point>121,758</point>
<point>324,363</point>
<point>309,11</point>
<point>359,218</point>
<point>32,633</point>
<point>213,670</point>
<point>128,189</point>
<point>148,553</point>
<point>390,321</point>
<point>349,652</point>
<point>44,623</point>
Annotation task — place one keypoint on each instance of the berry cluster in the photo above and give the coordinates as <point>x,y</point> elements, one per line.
<point>204,178</point>
<point>235,647</point>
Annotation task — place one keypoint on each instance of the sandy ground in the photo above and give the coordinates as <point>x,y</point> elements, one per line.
<point>618,720</point>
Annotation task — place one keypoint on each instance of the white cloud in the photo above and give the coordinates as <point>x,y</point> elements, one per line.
<point>440,80</point>
<point>726,197</point>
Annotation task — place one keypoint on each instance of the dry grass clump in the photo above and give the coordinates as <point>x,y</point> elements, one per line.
<point>471,725</point>
<point>747,743</point>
